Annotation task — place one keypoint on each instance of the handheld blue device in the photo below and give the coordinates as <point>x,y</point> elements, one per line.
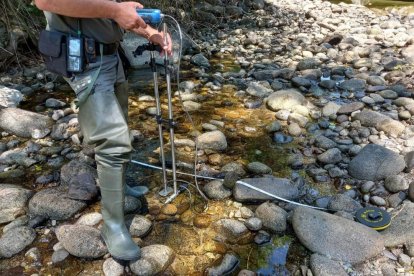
<point>150,16</point>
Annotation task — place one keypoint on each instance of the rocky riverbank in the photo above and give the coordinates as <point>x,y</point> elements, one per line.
<point>308,100</point>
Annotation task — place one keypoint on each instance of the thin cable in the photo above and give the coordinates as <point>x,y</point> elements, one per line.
<point>182,104</point>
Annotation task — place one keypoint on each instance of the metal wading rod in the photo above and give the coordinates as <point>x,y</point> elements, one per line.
<point>240,182</point>
<point>170,115</point>
<point>166,191</point>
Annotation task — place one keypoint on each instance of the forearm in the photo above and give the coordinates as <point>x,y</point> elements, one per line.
<point>80,8</point>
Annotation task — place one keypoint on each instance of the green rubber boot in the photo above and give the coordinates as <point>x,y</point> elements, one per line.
<point>114,232</point>
<point>121,93</point>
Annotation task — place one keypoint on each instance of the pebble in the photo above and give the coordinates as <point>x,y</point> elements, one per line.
<point>169,209</point>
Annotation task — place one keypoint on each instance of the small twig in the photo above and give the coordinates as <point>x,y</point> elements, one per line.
<point>7,51</point>
<point>248,258</point>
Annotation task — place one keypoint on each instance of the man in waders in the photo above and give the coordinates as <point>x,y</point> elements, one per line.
<point>101,89</point>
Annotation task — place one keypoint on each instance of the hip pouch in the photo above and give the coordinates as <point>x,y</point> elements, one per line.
<point>53,47</point>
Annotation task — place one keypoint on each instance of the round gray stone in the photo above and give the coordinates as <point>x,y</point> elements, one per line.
<point>81,241</point>
<point>273,217</point>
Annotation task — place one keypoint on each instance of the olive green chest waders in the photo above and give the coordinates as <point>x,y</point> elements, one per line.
<point>103,121</point>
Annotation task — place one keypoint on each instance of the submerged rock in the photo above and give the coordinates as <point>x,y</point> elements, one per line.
<point>281,187</point>
<point>214,140</point>
<point>336,237</point>
<point>227,265</point>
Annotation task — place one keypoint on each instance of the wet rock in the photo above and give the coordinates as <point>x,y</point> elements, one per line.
<point>281,138</point>
<point>401,230</point>
<point>324,142</point>
<point>258,168</point>
<point>281,187</point>
<point>59,256</point>
<point>90,219</point>
<point>234,167</point>
<point>24,123</point>
<point>12,201</point>
<point>260,89</point>
<point>254,224</point>
<point>308,63</point>
<point>54,103</point>
<point>343,239</point>
<point>375,162</point>
<point>396,183</point>
<point>202,221</point>
<point>81,241</point>
<point>396,199</point>
<point>349,108</point>
<point>71,170</point>
<point>272,216</point>
<point>214,140</point>
<point>154,259</point>
<point>132,204</point>
<point>229,263</point>
<point>294,129</point>
<point>379,201</point>
<point>169,209</point>
<point>285,99</point>
<point>20,221</point>
<point>83,187</point>
<point>200,60</point>
<point>330,109</point>
<point>138,225</point>
<point>191,106</point>
<point>232,229</point>
<point>367,186</point>
<point>10,97</point>
<point>273,126</point>
<point>15,240</point>
<point>323,266</point>
<point>379,121</point>
<point>331,156</point>
<point>112,268</point>
<point>345,203</point>
<point>262,237</point>
<point>52,203</point>
<point>353,85</point>
<point>215,190</point>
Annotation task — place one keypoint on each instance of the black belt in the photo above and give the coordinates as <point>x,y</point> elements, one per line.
<point>108,49</point>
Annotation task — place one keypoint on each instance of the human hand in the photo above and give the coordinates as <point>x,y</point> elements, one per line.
<point>127,17</point>
<point>157,38</point>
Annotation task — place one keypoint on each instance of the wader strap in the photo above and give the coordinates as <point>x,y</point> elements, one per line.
<point>82,97</point>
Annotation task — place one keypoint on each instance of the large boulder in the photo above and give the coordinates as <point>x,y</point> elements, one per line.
<point>81,241</point>
<point>281,187</point>
<point>285,99</point>
<point>375,162</point>
<point>401,230</point>
<point>24,123</point>
<point>336,237</point>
